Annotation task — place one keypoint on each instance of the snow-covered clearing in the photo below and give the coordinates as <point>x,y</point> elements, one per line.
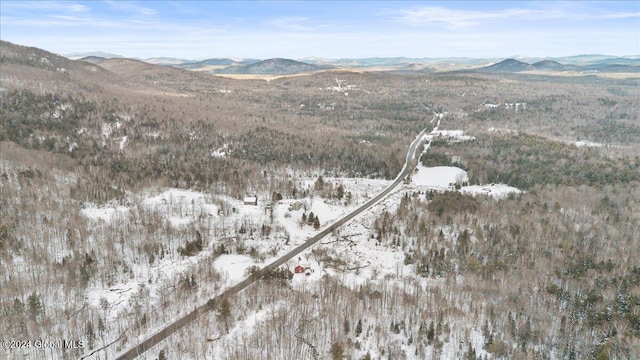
<point>587,144</point>
<point>497,191</point>
<point>438,177</point>
<point>442,178</point>
<point>451,135</point>
<point>221,152</point>
<point>181,207</point>
<point>104,213</point>
<point>502,131</point>
<point>233,267</point>
<point>507,106</point>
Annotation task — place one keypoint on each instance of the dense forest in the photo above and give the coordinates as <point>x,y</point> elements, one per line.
<point>524,161</point>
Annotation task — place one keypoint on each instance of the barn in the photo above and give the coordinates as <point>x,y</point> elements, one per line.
<point>299,269</point>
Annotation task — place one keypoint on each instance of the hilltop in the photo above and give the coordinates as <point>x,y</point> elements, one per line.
<point>550,65</point>
<point>275,66</point>
<point>507,65</point>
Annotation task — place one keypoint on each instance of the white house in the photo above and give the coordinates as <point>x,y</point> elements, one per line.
<point>251,200</point>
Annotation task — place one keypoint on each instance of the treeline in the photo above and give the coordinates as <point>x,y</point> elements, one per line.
<point>335,155</point>
<point>524,161</point>
<point>608,131</point>
<point>118,154</point>
<point>26,116</point>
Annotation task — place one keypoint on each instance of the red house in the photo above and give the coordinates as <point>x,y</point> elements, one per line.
<point>299,269</point>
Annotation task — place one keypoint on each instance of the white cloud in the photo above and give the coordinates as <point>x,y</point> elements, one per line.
<point>456,18</point>
<point>40,6</point>
<point>133,8</point>
<point>294,23</point>
<point>78,7</point>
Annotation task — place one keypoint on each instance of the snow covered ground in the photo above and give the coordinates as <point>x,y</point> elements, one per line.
<point>105,214</point>
<point>233,267</point>
<point>447,177</point>
<point>587,144</point>
<point>181,207</point>
<point>497,191</point>
<point>438,177</point>
<point>451,135</point>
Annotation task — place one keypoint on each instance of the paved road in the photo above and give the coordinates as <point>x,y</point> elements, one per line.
<point>169,330</point>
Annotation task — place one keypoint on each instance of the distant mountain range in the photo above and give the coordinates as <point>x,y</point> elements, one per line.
<point>100,54</point>
<point>217,62</point>
<point>95,59</point>
<point>604,65</point>
<point>279,66</point>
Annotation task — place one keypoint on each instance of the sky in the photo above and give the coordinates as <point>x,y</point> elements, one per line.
<point>325,29</point>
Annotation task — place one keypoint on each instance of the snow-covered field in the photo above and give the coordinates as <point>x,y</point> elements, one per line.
<point>587,144</point>
<point>104,213</point>
<point>452,135</point>
<point>447,177</point>
<point>497,191</point>
<point>439,177</point>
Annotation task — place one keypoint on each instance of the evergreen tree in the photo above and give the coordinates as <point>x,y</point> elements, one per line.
<point>316,223</point>
<point>198,242</point>
<point>431,332</point>
<point>336,351</point>
<point>396,328</point>
<point>224,312</point>
<point>359,328</point>
<point>162,355</point>
<point>18,306</point>
<point>101,325</point>
<point>485,329</point>
<point>35,306</point>
<point>471,353</point>
<point>91,335</point>
<point>319,184</point>
<point>463,242</point>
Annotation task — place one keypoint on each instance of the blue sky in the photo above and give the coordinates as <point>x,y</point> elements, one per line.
<point>330,29</point>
